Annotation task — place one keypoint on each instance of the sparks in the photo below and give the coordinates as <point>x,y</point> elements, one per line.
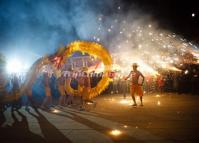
<point>115,132</point>
<point>55,111</point>
<point>157,95</point>
<point>158,103</point>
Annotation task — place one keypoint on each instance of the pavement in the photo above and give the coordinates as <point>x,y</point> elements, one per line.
<point>164,118</point>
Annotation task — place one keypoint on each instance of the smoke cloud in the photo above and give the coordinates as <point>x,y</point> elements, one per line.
<point>31,29</point>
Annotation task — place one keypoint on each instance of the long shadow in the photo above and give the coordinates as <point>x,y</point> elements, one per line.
<point>85,113</point>
<point>2,118</point>
<point>50,132</point>
<point>124,138</point>
<point>19,132</point>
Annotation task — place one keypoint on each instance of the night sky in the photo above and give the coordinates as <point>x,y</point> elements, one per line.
<point>32,28</point>
<point>175,15</point>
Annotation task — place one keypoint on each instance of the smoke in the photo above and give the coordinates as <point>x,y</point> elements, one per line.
<point>135,36</point>
<point>34,28</point>
<point>31,29</point>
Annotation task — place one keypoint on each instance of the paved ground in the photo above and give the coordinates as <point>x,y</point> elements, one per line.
<point>164,118</point>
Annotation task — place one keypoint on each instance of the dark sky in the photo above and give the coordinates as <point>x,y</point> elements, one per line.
<point>32,28</point>
<point>175,15</point>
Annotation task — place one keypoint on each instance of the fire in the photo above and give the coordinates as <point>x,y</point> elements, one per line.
<point>158,103</point>
<point>115,132</point>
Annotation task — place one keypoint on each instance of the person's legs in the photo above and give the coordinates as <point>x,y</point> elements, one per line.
<point>44,102</point>
<point>64,100</point>
<point>132,95</point>
<point>62,94</point>
<point>82,107</point>
<point>50,102</point>
<point>81,102</point>
<point>83,95</point>
<point>70,101</point>
<point>141,101</point>
<point>60,100</point>
<point>47,101</point>
<point>124,93</point>
<point>140,93</point>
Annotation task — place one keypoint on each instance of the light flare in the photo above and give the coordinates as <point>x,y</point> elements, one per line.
<point>115,132</point>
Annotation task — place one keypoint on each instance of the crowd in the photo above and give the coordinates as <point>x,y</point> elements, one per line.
<point>186,81</point>
<point>49,90</point>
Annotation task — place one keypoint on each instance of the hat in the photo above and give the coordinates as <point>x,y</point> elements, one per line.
<point>134,65</point>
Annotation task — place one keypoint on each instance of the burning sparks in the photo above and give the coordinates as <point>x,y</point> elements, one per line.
<point>115,132</point>
<point>193,14</point>
<point>149,26</point>
<point>89,103</point>
<point>158,103</point>
<point>157,95</point>
<point>186,72</point>
<point>168,67</point>
<point>125,102</point>
<point>55,111</point>
<point>153,49</point>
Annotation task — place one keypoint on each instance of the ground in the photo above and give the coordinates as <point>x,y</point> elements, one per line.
<point>164,118</point>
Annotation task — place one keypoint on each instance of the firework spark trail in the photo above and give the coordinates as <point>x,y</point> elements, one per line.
<point>141,40</point>
<point>128,33</point>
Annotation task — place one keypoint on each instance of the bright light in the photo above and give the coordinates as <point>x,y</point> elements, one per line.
<point>172,68</point>
<point>125,102</point>
<point>193,14</point>
<point>149,26</point>
<point>115,132</point>
<point>125,126</point>
<point>158,103</point>
<point>186,72</point>
<point>157,95</point>
<point>55,111</point>
<point>15,66</point>
<point>89,103</point>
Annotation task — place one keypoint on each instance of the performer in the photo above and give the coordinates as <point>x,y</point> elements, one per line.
<point>160,83</point>
<point>61,89</point>
<point>70,97</point>
<point>48,99</point>
<point>115,89</point>
<point>124,87</point>
<point>84,86</point>
<point>15,84</point>
<point>136,86</point>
